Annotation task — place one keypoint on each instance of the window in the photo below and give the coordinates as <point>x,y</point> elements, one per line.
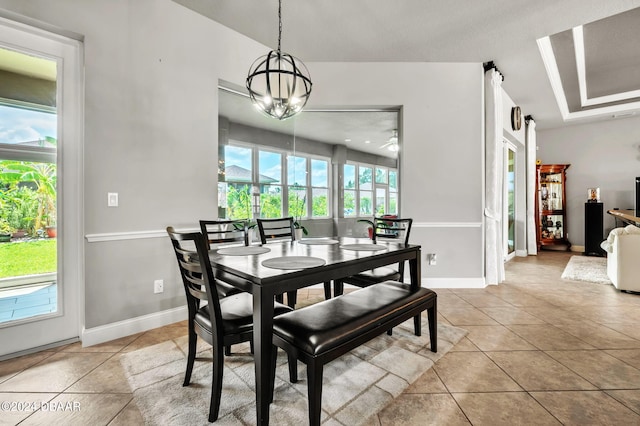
<point>270,184</point>
<point>393,192</point>
<point>236,178</point>
<point>374,192</point>
<point>349,189</point>
<point>365,183</point>
<point>319,188</point>
<point>251,183</point>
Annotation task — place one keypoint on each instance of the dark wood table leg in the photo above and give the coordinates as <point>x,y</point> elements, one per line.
<point>262,343</point>
<point>415,271</point>
<point>416,282</point>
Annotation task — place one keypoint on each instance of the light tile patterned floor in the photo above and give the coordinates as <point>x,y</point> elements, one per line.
<point>540,350</point>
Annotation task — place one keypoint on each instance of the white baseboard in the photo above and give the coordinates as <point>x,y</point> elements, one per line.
<point>116,330</point>
<point>453,282</point>
<point>579,249</point>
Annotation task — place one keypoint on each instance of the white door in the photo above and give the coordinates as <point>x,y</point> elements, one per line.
<point>41,178</point>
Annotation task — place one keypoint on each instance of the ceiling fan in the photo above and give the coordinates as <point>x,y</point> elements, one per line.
<point>392,143</point>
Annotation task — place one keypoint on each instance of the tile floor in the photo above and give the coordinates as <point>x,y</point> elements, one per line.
<point>540,350</point>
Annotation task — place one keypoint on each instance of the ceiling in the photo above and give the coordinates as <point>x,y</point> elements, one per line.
<point>504,31</point>
<point>533,44</point>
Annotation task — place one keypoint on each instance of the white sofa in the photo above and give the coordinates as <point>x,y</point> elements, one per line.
<point>623,257</point>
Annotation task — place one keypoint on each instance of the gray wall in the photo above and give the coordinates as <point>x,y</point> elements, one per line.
<point>604,154</point>
<point>151,126</point>
<point>442,153</point>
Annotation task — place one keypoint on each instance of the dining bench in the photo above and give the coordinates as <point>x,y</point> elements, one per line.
<point>322,332</point>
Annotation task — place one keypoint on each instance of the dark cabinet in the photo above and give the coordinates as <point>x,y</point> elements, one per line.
<point>593,229</point>
<point>551,213</point>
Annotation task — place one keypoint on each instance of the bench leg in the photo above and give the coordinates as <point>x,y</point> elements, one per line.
<point>433,327</point>
<point>338,287</point>
<point>327,290</point>
<point>314,379</point>
<point>292,297</point>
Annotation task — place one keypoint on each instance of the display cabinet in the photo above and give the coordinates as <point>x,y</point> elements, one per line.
<point>551,212</point>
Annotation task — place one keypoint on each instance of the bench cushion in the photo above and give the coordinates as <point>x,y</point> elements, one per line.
<point>326,325</point>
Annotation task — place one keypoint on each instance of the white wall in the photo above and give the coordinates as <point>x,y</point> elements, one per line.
<point>604,154</point>
<point>152,68</point>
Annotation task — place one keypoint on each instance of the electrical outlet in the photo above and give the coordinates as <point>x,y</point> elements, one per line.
<point>158,286</point>
<point>431,258</point>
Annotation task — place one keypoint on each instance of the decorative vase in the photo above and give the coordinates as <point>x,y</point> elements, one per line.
<point>298,232</point>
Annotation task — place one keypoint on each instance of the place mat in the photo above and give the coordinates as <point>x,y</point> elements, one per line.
<point>318,241</point>
<point>243,250</point>
<point>363,247</point>
<point>293,262</point>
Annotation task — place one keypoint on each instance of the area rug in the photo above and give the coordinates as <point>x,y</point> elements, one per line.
<point>587,268</point>
<point>356,386</point>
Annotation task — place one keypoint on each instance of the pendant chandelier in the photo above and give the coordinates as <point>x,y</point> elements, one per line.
<point>278,83</point>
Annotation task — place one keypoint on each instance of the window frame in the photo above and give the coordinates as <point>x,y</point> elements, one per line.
<point>284,180</point>
<point>386,187</point>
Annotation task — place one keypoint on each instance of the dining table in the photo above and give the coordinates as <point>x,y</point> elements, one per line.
<point>280,266</point>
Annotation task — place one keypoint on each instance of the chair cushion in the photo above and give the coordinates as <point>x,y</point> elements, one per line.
<point>325,325</point>
<point>225,290</point>
<point>237,313</point>
<point>373,276</point>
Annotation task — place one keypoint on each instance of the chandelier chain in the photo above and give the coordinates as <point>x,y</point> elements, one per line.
<point>278,83</point>
<point>279,23</point>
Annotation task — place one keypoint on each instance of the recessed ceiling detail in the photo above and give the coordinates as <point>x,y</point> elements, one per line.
<point>594,68</point>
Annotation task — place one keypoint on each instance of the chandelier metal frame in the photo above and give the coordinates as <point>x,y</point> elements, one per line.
<point>278,83</point>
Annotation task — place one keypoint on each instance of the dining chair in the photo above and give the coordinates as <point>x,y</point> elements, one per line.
<point>222,321</point>
<point>223,232</point>
<point>219,232</point>
<point>383,229</point>
<point>276,229</point>
<point>284,229</point>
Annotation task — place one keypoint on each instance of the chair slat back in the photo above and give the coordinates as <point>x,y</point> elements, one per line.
<point>392,228</point>
<point>280,228</point>
<point>197,274</point>
<point>222,232</point>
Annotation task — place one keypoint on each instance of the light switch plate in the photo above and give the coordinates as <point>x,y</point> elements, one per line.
<point>112,199</point>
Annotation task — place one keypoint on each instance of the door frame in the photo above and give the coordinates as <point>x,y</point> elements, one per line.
<point>66,325</point>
